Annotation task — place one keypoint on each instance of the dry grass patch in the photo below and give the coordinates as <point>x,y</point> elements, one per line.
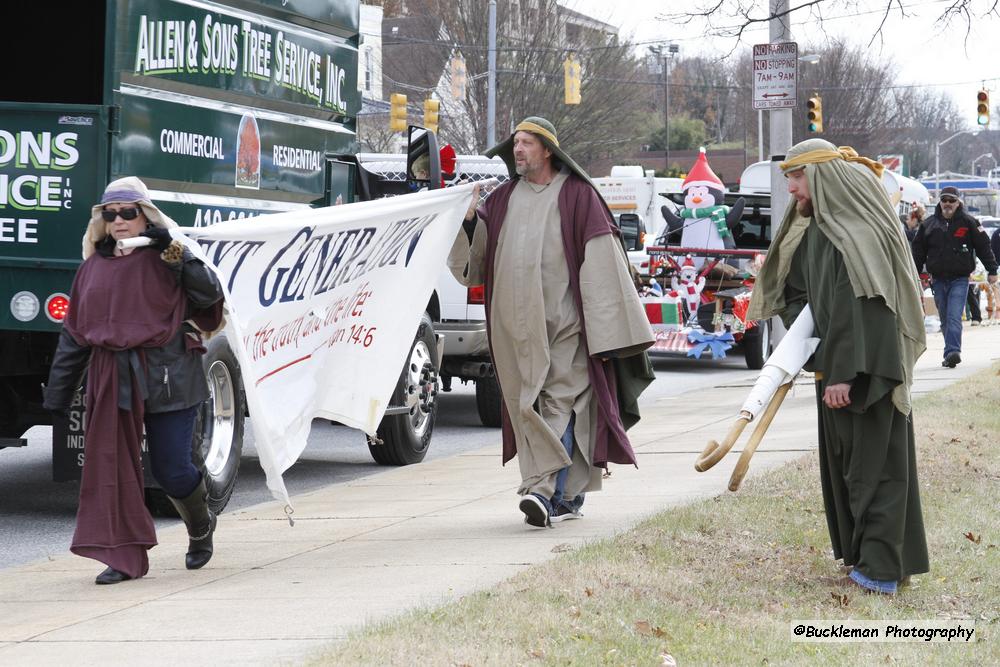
<point>717,582</point>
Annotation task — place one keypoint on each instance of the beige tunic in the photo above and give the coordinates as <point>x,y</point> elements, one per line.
<point>538,351</point>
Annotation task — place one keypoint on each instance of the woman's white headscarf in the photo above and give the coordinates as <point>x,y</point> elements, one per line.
<point>128,190</point>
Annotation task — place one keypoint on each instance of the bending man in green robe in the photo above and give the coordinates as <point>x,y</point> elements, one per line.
<point>840,249</point>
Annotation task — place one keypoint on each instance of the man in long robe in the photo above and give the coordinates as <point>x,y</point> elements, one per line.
<point>840,249</point>
<point>566,329</point>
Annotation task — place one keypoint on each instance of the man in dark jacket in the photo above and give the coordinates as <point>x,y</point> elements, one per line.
<point>948,242</point>
<point>995,244</point>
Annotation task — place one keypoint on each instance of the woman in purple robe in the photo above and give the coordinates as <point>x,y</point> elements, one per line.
<point>134,325</point>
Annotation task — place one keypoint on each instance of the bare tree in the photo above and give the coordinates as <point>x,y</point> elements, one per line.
<point>533,40</point>
<point>374,135</point>
<point>731,18</point>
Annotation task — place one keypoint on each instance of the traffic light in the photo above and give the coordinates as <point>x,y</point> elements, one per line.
<point>397,112</point>
<point>458,77</point>
<point>815,106</point>
<point>983,108</point>
<point>431,114</point>
<point>572,71</point>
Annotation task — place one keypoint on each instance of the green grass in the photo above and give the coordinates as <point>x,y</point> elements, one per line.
<point>717,582</point>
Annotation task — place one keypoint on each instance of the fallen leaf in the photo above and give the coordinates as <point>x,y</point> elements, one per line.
<point>643,628</point>
<point>589,591</point>
<point>841,598</point>
<point>975,539</point>
<point>536,653</point>
<point>955,440</point>
<point>573,611</point>
<point>562,547</point>
<point>659,632</point>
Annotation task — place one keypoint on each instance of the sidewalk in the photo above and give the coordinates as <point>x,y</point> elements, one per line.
<point>372,548</point>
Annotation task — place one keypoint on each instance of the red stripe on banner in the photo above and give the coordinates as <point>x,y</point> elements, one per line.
<point>281,368</point>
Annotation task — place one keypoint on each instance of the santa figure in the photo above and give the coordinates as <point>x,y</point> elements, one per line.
<point>687,286</point>
<point>705,221</point>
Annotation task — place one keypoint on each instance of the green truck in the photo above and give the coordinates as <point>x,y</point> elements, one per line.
<point>225,109</point>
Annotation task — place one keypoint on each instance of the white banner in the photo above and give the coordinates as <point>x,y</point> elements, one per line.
<point>323,306</point>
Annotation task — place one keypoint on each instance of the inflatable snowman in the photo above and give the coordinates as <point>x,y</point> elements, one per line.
<point>705,221</point>
<point>686,286</point>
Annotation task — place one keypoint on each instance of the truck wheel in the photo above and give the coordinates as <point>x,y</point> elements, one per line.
<point>405,437</point>
<point>757,345</point>
<point>218,430</point>
<point>488,400</point>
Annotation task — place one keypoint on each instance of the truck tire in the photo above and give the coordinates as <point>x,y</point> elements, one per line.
<point>757,345</point>
<point>406,437</point>
<point>218,429</point>
<point>488,400</point>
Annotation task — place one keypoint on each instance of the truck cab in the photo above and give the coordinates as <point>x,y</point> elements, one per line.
<point>229,109</point>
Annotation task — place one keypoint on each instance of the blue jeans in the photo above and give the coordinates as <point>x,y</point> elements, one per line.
<point>557,498</point>
<point>168,437</point>
<point>950,295</point>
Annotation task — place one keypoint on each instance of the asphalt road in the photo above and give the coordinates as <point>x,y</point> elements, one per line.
<point>37,515</point>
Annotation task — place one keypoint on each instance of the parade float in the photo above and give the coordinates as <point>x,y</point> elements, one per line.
<point>702,270</point>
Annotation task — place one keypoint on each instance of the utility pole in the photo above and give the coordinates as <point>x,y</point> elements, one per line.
<point>780,121</point>
<point>666,108</point>
<point>491,94</point>
<point>666,53</point>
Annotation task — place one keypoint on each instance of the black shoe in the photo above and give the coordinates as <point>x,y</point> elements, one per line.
<point>951,360</point>
<point>200,522</point>
<point>536,511</point>
<point>563,513</point>
<point>111,576</point>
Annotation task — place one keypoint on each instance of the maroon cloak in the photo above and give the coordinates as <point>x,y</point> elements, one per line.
<point>118,307</point>
<point>583,216</point>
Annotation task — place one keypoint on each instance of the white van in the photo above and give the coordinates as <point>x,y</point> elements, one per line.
<point>630,190</point>
<point>902,191</point>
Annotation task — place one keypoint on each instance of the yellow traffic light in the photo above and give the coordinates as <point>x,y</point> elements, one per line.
<point>458,77</point>
<point>397,112</point>
<point>572,71</point>
<point>431,114</point>
<point>983,108</point>
<point>815,115</point>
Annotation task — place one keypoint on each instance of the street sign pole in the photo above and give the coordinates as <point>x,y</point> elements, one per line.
<point>781,118</point>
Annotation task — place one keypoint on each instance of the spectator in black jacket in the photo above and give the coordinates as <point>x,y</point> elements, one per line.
<point>948,242</point>
<point>995,244</point>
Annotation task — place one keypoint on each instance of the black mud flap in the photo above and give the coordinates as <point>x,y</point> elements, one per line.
<point>67,445</point>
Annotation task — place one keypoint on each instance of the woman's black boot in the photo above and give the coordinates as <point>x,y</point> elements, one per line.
<point>200,522</point>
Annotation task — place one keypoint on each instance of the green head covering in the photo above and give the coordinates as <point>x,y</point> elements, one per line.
<point>852,209</point>
<point>546,132</point>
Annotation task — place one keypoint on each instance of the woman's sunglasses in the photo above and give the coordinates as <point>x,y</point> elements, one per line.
<point>125,213</point>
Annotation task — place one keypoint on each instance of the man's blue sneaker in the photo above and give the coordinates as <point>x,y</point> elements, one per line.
<point>873,585</point>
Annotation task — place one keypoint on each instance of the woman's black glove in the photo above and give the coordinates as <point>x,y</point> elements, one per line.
<point>160,236</point>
